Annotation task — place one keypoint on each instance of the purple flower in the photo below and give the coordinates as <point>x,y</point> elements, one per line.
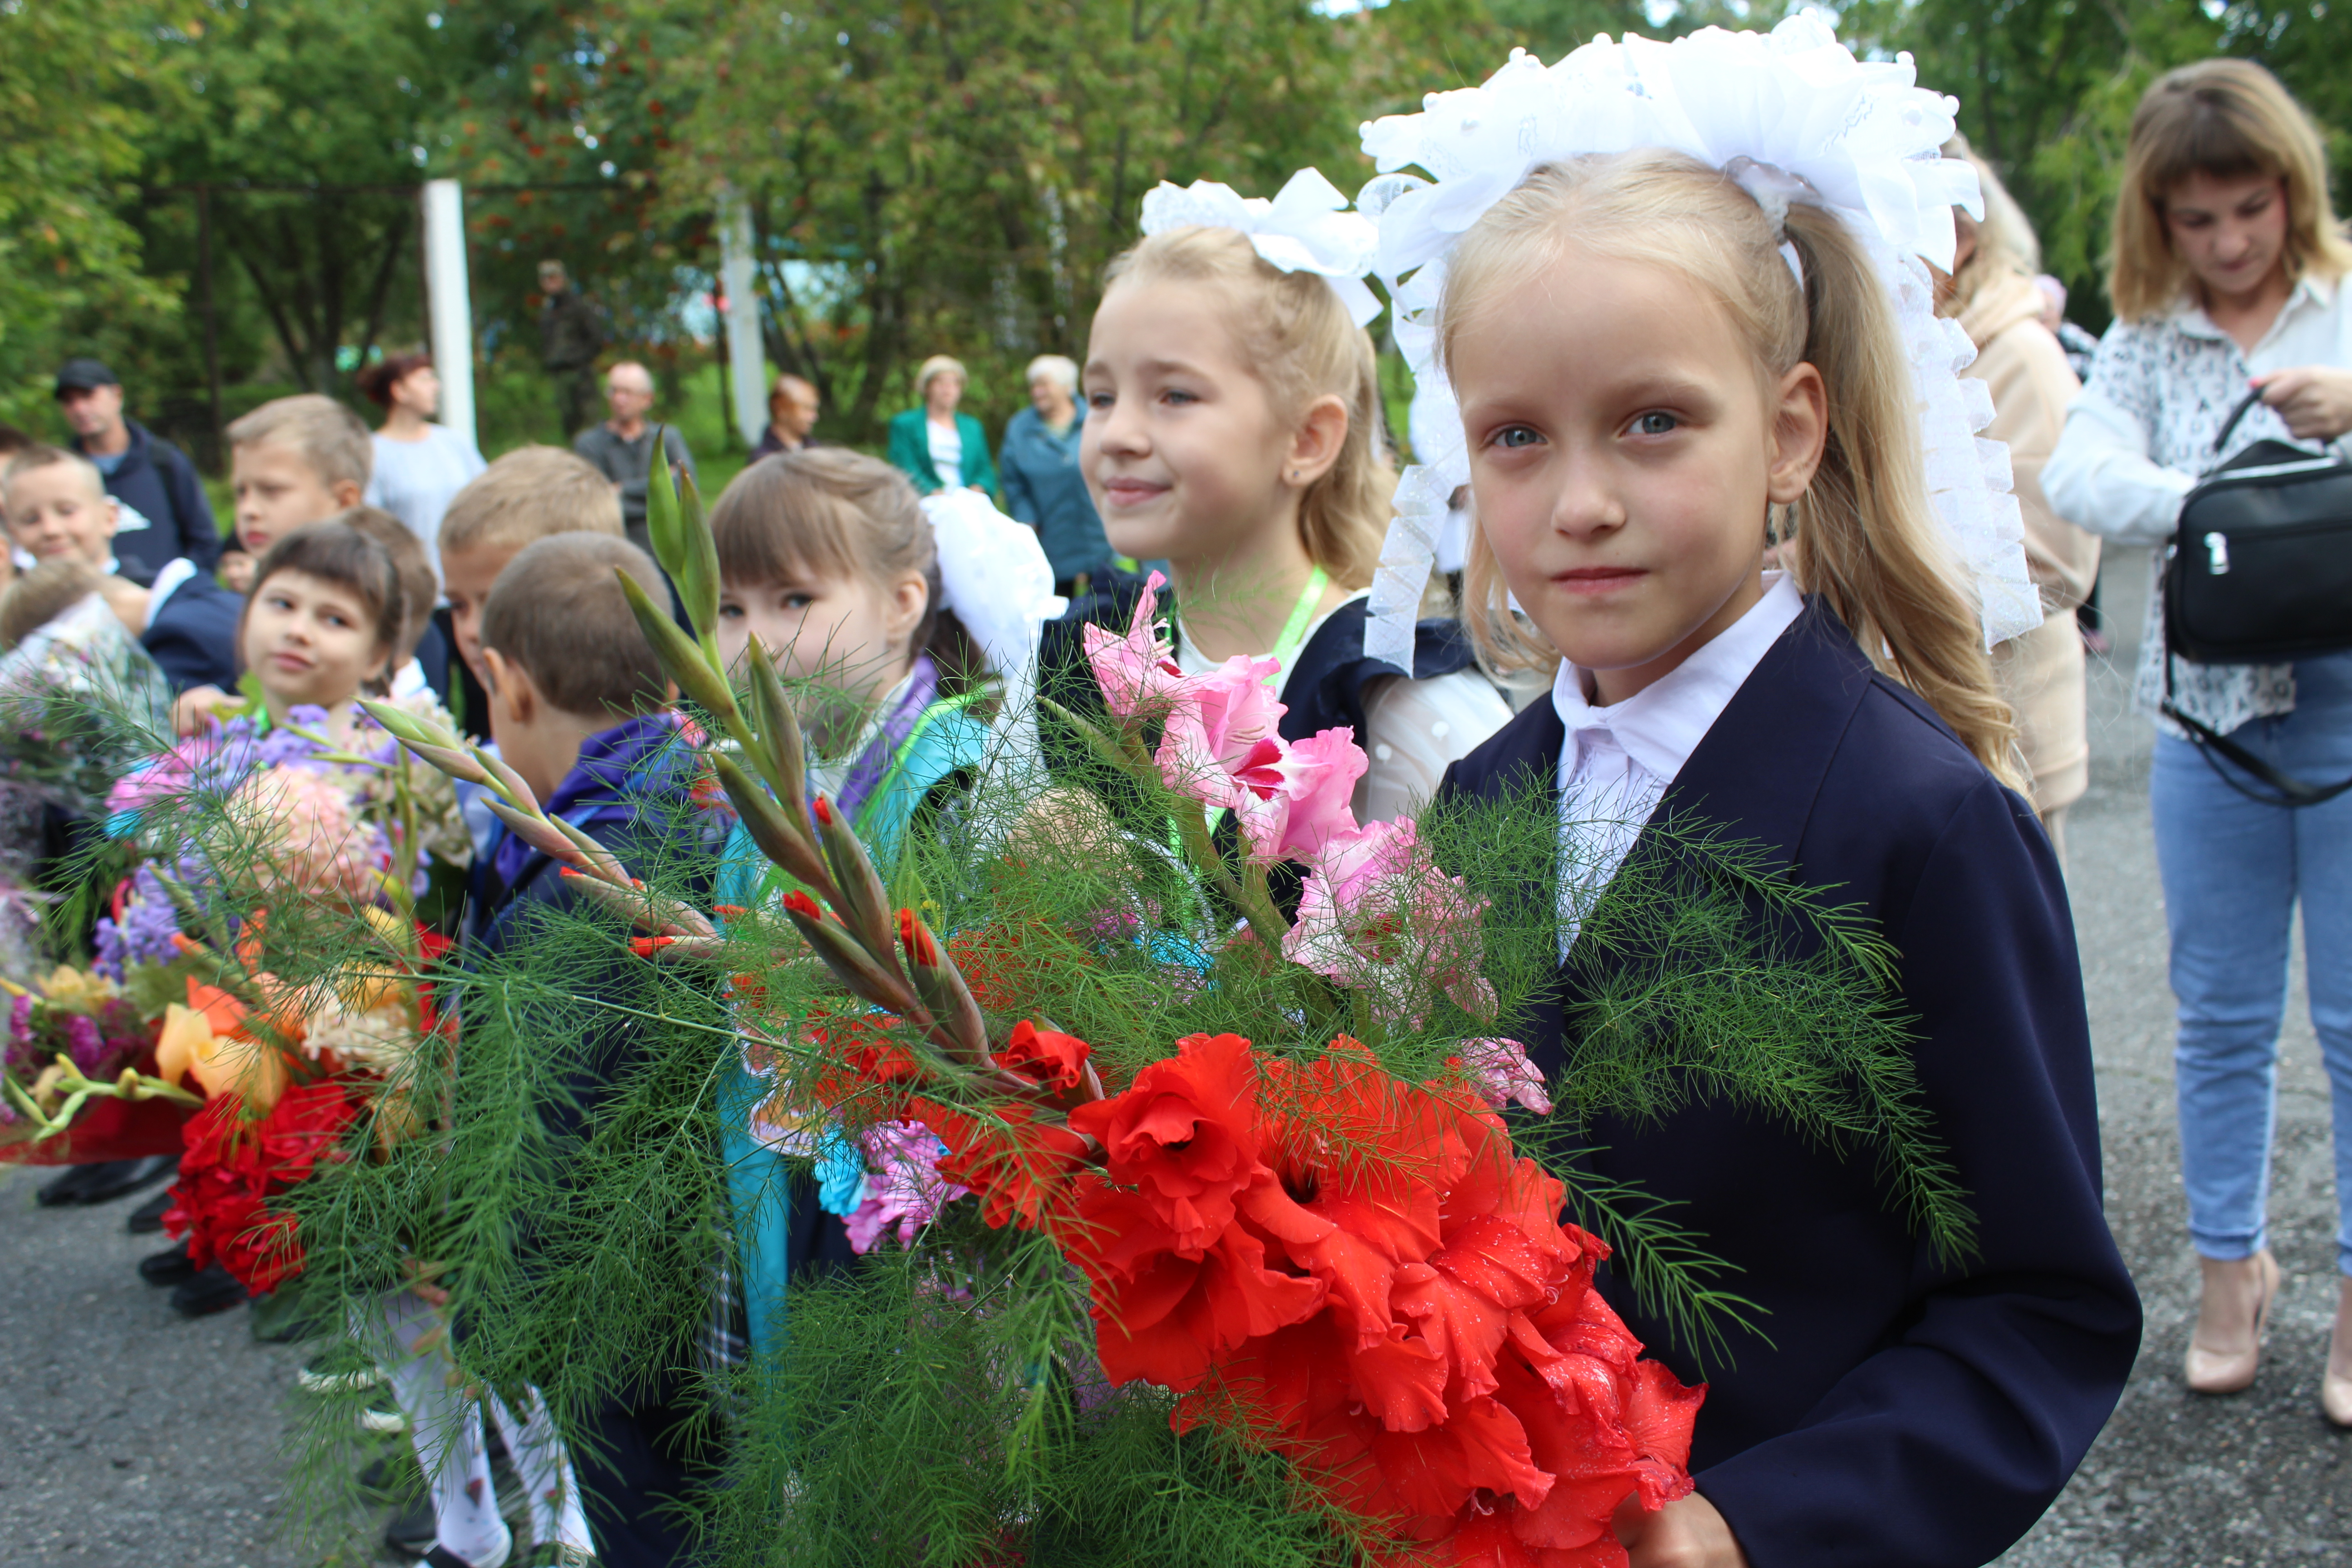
<point>83,1039</point>
<point>21,1047</point>
<point>144,934</point>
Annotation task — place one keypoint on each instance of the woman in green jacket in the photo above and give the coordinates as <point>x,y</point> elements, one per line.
<point>933,444</point>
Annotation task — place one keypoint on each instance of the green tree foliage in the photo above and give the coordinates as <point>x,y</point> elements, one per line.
<point>951,177</point>
<point>2046,90</point>
<point>79,89</point>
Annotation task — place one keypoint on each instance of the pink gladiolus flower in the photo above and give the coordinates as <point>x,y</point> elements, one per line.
<point>1219,725</point>
<point>1295,802</point>
<point>907,1191</point>
<point>1501,1073</point>
<point>1377,914</point>
<point>1135,669</point>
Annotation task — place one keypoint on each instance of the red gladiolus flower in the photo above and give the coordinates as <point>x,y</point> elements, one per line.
<point>1045,1059</point>
<point>232,1167</point>
<point>1186,1136</point>
<point>1018,1166</point>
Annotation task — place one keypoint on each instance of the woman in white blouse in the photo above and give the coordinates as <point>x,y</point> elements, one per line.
<point>418,465</point>
<point>2229,273</point>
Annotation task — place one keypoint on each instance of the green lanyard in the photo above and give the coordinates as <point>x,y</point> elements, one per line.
<point>1288,645</point>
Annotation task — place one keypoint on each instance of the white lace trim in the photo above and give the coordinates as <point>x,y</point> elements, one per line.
<point>1857,137</point>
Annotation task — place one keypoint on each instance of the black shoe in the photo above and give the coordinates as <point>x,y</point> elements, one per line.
<point>415,1530</point>
<point>107,1181</point>
<point>168,1267</point>
<point>380,1477</point>
<point>208,1290</point>
<point>147,1219</point>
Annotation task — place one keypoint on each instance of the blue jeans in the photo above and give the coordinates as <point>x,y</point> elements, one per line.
<point>2233,871</point>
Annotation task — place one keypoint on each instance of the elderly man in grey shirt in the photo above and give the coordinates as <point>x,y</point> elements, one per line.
<point>622,447</point>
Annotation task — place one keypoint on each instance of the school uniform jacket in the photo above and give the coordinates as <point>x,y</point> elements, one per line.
<point>191,635</point>
<point>1896,1411</point>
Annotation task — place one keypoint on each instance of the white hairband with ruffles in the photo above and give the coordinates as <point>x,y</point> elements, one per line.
<point>1306,229</point>
<point>1792,116</point>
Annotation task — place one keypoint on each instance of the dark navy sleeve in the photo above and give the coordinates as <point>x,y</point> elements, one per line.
<point>1944,1445</point>
<point>192,636</point>
<point>199,538</point>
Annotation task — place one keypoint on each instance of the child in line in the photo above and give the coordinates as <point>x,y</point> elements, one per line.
<point>529,494</point>
<point>580,708</point>
<point>57,510</point>
<point>826,556</point>
<point>1642,377</point>
<point>1234,429</point>
<point>293,461</point>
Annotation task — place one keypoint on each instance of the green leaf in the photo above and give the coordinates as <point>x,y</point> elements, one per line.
<point>680,655</point>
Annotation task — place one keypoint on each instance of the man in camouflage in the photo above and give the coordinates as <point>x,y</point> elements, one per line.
<point>570,336</point>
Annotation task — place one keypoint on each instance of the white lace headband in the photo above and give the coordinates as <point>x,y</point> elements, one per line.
<point>1792,116</point>
<point>1306,229</point>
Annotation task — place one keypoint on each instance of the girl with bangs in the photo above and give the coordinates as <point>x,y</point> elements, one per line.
<point>827,557</point>
<point>1234,429</point>
<point>2228,278</point>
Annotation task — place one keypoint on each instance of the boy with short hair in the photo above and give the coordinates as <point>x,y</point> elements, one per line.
<point>293,461</point>
<point>529,494</point>
<point>57,508</point>
<point>580,706</point>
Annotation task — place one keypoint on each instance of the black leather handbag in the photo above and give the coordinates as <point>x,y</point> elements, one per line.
<point>2260,572</point>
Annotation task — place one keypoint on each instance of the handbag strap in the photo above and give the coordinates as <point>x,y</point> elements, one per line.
<point>2293,792</point>
<point>2245,406</point>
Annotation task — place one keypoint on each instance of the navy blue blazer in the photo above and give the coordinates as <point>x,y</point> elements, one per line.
<point>1896,1410</point>
<point>192,635</point>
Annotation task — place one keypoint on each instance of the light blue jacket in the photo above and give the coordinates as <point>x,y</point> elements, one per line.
<point>947,740</point>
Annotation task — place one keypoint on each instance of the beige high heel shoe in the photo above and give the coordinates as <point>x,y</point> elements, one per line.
<point>2336,1382</point>
<point>2228,1368</point>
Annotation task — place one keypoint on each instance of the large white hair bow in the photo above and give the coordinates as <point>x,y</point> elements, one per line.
<point>1306,229</point>
<point>1791,115</point>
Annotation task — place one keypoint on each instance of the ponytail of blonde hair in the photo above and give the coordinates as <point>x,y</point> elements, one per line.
<point>1864,536</point>
<point>1299,342</point>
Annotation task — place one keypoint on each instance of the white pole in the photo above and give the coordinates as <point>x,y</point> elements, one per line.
<point>452,307</point>
<point>739,279</point>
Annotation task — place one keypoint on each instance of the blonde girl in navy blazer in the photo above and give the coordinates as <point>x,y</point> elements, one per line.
<point>1641,379</point>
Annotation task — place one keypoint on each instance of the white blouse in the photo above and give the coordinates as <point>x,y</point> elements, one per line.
<point>416,480</point>
<point>1616,762</point>
<point>1415,730</point>
<point>947,452</point>
<point>2140,437</point>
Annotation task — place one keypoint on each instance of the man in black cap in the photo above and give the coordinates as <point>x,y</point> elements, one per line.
<point>163,507</point>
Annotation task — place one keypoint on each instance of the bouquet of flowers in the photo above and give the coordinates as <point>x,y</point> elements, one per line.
<point>79,699</point>
<point>275,923</point>
<point>1207,1211</point>
<point>78,1079</point>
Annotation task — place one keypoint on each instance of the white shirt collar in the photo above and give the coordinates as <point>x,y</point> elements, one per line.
<point>2310,290</point>
<point>1660,725</point>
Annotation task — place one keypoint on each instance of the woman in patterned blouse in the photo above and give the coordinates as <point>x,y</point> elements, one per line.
<point>2227,274</point>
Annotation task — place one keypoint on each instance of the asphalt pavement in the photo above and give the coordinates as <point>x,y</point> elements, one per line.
<point>131,1438</point>
<point>2179,1479</point>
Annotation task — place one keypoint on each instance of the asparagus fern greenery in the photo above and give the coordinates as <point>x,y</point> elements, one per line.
<point>560,1174</point>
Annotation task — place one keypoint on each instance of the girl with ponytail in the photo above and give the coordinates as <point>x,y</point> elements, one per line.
<point>1665,356</point>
